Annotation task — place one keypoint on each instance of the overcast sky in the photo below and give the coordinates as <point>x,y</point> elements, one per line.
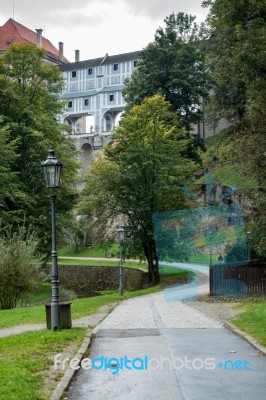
<point>97,27</point>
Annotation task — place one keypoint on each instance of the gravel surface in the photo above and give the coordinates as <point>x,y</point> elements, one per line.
<point>153,311</point>
<point>219,311</point>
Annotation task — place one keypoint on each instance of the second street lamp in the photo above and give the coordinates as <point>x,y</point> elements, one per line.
<point>121,236</point>
<point>52,170</point>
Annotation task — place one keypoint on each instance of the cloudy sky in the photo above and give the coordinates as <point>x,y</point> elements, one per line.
<point>97,27</point>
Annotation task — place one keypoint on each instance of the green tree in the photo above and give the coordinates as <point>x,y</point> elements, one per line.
<point>141,173</point>
<point>172,65</point>
<point>237,59</point>
<point>28,108</point>
<point>8,178</point>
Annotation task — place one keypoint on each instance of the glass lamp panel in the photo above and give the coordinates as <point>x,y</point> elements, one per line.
<point>121,234</point>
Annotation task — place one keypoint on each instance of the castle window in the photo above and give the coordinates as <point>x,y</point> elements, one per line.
<point>74,74</point>
<point>86,102</point>
<point>135,63</point>
<point>108,123</point>
<point>90,71</point>
<point>116,67</point>
<point>111,97</point>
<point>70,104</point>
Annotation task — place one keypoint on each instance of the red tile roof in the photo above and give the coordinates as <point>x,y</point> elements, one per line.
<point>13,32</point>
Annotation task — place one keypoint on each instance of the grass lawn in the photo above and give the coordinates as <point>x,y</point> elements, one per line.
<point>104,263</point>
<point>26,362</point>
<point>91,251</point>
<point>200,259</point>
<point>253,320</point>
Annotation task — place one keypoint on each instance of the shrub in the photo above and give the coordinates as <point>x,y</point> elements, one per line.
<point>18,265</point>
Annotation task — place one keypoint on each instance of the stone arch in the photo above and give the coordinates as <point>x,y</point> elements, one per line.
<point>118,117</point>
<point>108,123</point>
<point>76,124</point>
<point>70,123</point>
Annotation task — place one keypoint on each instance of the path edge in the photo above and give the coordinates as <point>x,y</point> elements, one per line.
<point>245,336</point>
<point>66,379</point>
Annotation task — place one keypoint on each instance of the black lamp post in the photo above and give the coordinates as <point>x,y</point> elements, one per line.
<point>52,170</point>
<point>121,236</point>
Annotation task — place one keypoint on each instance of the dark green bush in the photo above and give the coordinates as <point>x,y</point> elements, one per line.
<point>18,265</point>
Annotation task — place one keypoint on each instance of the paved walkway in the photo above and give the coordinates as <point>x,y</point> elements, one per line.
<point>190,355</point>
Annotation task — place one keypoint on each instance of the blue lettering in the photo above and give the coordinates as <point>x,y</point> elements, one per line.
<point>95,361</point>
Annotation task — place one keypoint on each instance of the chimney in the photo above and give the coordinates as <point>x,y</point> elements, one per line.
<point>39,37</point>
<point>61,50</point>
<point>77,55</point>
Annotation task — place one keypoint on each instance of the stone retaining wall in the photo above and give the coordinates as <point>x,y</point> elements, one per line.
<point>84,280</point>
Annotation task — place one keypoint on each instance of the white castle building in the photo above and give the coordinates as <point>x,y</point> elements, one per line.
<point>94,101</point>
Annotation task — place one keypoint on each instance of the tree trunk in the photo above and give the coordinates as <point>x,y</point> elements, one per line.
<point>153,267</point>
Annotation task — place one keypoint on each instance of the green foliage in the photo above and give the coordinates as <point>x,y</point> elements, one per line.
<point>140,174</point>
<point>8,178</point>
<point>220,147</point>
<point>18,265</point>
<point>237,60</point>
<point>172,65</point>
<point>238,252</point>
<point>76,233</point>
<point>83,251</point>
<point>28,109</point>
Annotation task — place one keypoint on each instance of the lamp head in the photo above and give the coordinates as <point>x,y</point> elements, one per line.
<point>52,170</point>
<point>121,233</point>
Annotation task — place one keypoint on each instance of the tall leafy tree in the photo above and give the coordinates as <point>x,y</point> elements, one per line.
<point>28,109</point>
<point>8,178</point>
<point>142,172</point>
<point>237,60</point>
<point>172,65</point>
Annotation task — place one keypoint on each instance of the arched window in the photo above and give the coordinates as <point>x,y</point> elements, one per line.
<point>108,123</point>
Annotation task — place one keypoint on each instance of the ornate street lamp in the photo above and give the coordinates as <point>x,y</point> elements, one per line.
<point>52,170</point>
<point>121,236</point>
